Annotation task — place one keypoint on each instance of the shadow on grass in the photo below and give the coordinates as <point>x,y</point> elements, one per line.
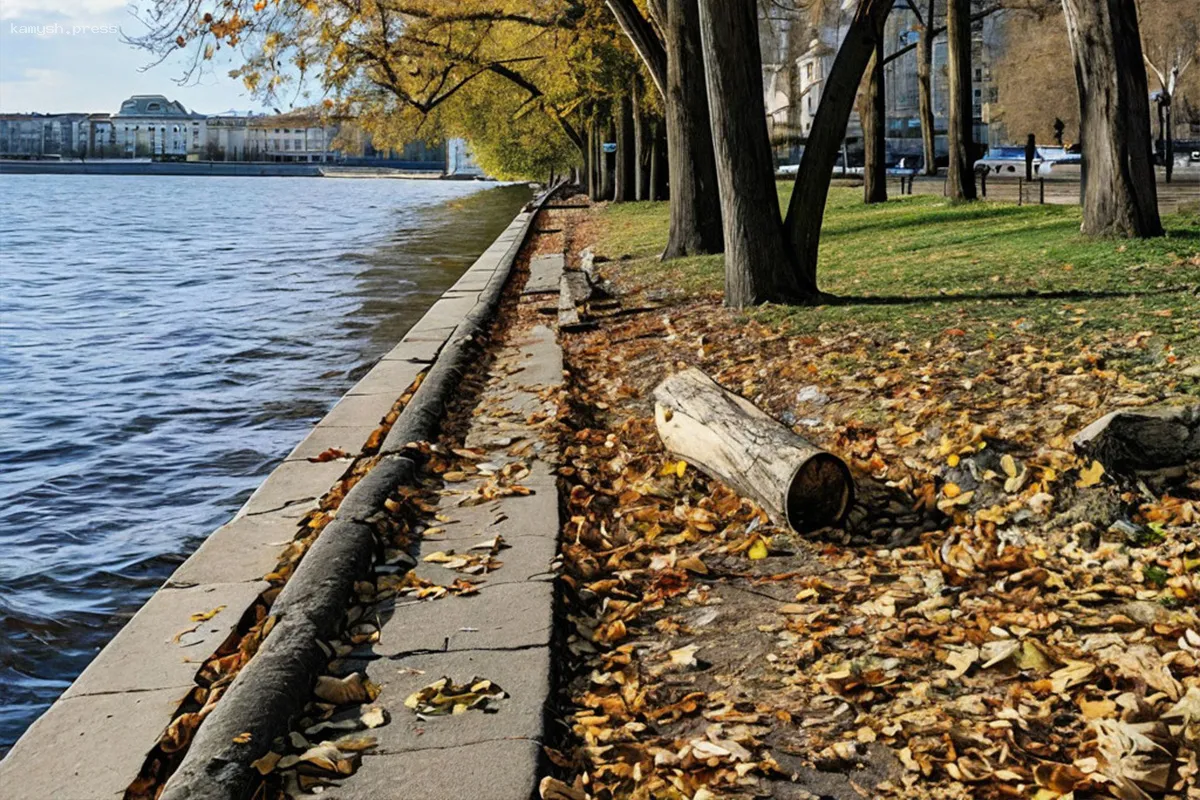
<point>1030,294</point>
<point>931,218</point>
<point>1190,235</point>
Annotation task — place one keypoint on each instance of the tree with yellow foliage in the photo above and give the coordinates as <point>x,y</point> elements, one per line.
<point>506,75</point>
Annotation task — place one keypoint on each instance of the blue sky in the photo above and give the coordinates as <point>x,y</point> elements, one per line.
<point>65,69</point>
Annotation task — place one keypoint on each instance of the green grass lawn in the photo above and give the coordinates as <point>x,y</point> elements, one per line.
<point>918,266</point>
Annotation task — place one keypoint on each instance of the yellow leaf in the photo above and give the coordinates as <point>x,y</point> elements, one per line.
<point>758,550</point>
<point>1097,709</point>
<point>1091,475</point>
<point>951,490</point>
<point>681,468</point>
<point>953,460</point>
<point>1009,465</point>
<point>242,738</point>
<point>684,656</point>
<point>205,616</point>
<point>353,688</point>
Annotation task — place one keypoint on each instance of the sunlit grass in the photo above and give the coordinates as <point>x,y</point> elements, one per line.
<point>917,266</point>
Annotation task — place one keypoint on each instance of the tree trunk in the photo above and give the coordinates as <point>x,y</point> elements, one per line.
<point>663,183</point>
<point>873,114</point>
<point>807,207</point>
<point>639,144</point>
<point>652,190</point>
<point>961,173</point>
<point>593,169</point>
<point>626,158</point>
<point>607,162</point>
<point>1169,140</point>
<point>695,205</point>
<point>644,40</point>
<point>796,483</point>
<point>925,92</point>
<point>1120,197</point>
<point>758,267</point>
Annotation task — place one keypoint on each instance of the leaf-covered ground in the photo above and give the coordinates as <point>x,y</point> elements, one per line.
<point>998,618</point>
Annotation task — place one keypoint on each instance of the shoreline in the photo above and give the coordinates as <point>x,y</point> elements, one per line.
<point>220,593</point>
<point>222,169</point>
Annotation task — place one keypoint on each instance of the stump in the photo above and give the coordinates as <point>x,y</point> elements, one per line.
<point>1143,439</point>
<point>796,483</point>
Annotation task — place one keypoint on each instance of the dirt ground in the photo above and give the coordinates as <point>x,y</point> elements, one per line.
<point>997,618</point>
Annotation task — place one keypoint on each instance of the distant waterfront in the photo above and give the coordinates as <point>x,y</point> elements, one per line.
<point>163,343</point>
<point>241,169</point>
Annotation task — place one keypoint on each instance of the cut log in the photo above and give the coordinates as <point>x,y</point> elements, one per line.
<point>796,483</point>
<point>1143,439</point>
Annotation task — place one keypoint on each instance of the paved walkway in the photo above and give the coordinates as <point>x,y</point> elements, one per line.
<point>503,632</point>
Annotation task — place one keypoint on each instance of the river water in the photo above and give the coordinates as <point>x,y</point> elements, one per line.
<point>164,343</point>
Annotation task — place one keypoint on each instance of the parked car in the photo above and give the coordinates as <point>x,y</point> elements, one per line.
<point>1005,160</point>
<point>1010,159</point>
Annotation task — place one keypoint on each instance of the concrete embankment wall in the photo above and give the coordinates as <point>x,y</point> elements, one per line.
<point>93,741</point>
<point>219,168</point>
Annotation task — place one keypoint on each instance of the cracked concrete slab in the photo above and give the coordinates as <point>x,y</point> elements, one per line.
<point>423,351</point>
<point>525,558</point>
<point>507,616</point>
<point>360,409</point>
<point>545,272</point>
<point>523,674</point>
<point>243,550</point>
<point>88,748</point>
<point>533,515</point>
<point>292,483</point>
<point>348,439</point>
<point>505,769</point>
<point>388,377</point>
<point>473,280</point>
<point>164,645</point>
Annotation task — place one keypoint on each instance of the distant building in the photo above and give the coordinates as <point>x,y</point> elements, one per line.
<point>797,59</point>
<point>903,93</point>
<point>42,135</point>
<point>154,127</point>
<point>151,126</point>
<point>295,136</point>
<point>459,159</point>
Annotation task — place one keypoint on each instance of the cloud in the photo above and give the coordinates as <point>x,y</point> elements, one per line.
<point>43,78</point>
<point>61,69</point>
<point>67,9</point>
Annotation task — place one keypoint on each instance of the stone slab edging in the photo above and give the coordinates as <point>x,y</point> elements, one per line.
<point>92,742</point>
<point>276,684</point>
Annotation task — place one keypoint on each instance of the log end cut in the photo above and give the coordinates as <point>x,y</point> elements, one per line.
<point>797,483</point>
<point>820,493</point>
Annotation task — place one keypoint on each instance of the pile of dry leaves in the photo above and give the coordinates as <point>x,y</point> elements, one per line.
<point>998,618</point>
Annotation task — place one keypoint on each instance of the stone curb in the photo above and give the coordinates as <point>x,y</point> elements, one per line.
<point>223,577</point>
<point>277,683</point>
